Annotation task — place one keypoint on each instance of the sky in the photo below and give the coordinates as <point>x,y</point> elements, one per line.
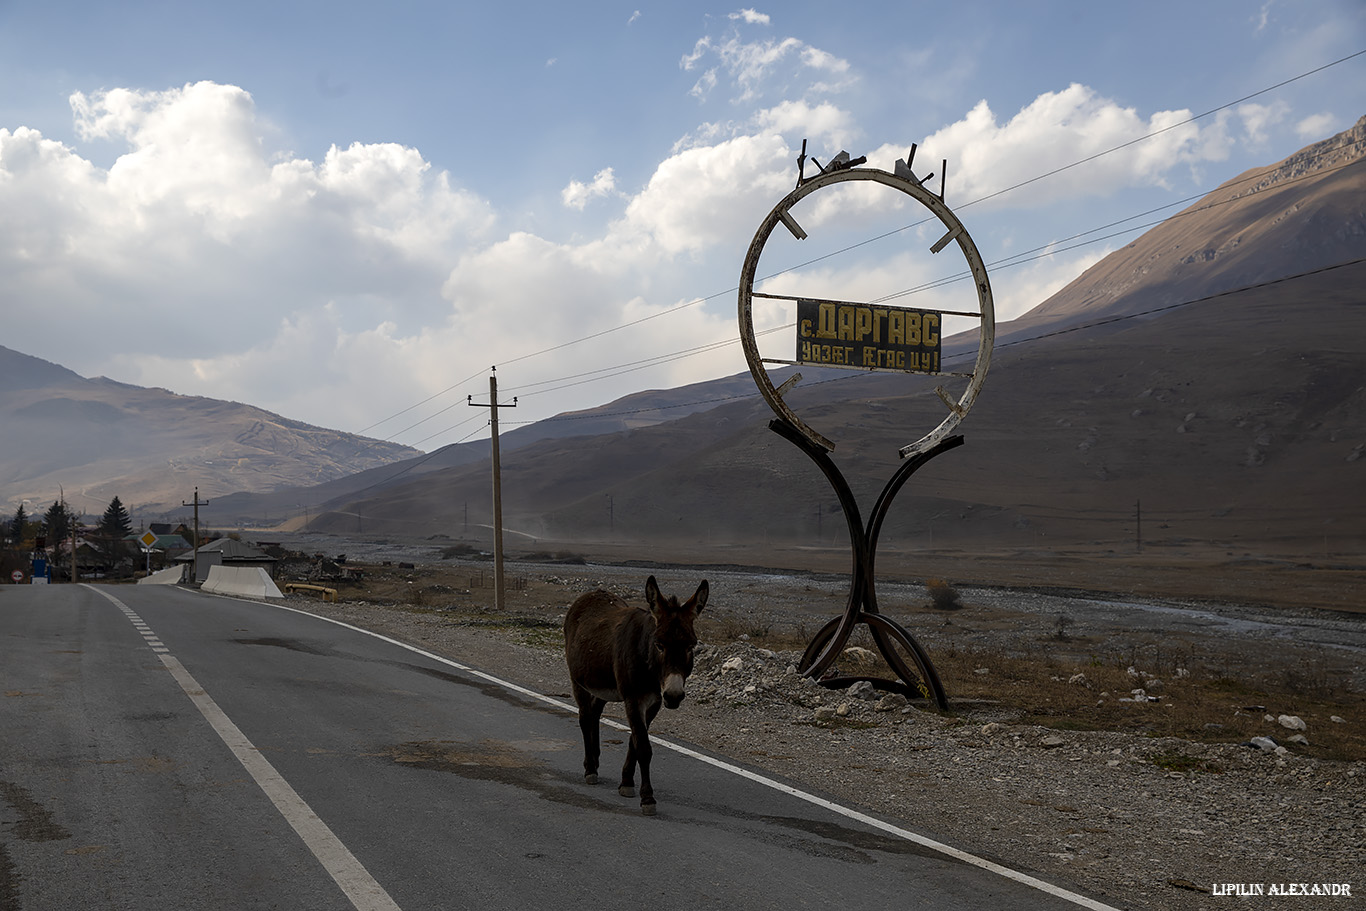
<point>348,213</point>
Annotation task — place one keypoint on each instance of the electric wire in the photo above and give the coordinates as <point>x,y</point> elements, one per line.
<point>1009,261</point>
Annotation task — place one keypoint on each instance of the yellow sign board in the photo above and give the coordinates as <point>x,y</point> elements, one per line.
<point>868,337</point>
<point>148,539</point>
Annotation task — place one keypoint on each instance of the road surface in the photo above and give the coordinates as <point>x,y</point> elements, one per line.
<point>164,748</point>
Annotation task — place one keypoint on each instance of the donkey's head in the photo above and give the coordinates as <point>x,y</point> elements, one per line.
<point>674,638</point>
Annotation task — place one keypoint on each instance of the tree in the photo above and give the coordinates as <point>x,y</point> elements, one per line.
<point>18,525</point>
<point>57,523</point>
<point>116,522</point>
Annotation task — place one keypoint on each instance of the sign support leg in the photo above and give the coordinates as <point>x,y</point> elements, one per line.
<point>862,605</point>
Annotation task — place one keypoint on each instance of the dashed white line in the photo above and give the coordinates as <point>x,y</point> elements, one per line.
<point>365,893</point>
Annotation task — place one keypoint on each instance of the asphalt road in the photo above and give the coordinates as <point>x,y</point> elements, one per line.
<point>161,748</point>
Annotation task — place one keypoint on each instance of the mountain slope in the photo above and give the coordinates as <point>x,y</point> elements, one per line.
<point>1151,386</point>
<point>97,439</point>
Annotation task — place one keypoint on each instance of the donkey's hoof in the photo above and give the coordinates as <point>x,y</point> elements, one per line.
<point>648,809</point>
<point>590,778</point>
<point>626,790</point>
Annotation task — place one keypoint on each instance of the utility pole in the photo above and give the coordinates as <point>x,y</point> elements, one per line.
<point>74,577</point>
<point>497,485</point>
<point>194,573</point>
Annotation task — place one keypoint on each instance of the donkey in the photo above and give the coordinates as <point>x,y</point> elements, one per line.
<point>620,653</point>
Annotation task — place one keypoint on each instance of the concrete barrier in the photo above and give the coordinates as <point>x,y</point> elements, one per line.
<point>171,575</point>
<point>248,581</point>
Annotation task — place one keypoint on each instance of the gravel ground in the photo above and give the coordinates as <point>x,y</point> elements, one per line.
<point>1136,821</point>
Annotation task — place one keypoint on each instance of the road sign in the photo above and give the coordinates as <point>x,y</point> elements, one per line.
<point>148,539</point>
<point>17,575</point>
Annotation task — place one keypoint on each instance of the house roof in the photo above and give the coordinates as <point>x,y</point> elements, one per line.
<point>233,550</point>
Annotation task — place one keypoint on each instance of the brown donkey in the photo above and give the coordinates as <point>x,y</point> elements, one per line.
<point>620,653</point>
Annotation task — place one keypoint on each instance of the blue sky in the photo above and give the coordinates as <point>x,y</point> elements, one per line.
<point>338,211</point>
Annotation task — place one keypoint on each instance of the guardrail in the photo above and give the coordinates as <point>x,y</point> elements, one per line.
<point>329,594</point>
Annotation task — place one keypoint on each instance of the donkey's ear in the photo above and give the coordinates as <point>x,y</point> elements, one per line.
<point>699,599</point>
<point>651,592</point>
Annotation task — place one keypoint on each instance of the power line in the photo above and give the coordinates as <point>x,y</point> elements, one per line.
<point>1159,132</point>
<point>1024,341</point>
<point>1052,249</point>
<point>1009,261</point>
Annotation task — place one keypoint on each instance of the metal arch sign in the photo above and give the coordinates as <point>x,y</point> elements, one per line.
<point>855,325</point>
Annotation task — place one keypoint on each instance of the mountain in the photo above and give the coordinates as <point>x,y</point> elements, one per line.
<point>1208,380</point>
<point>96,439</point>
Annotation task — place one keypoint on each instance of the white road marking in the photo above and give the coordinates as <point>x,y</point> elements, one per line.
<point>365,893</point>
<point>1025,879</point>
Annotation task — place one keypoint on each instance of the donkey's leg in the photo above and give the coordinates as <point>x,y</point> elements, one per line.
<point>590,713</point>
<point>627,788</point>
<point>640,715</point>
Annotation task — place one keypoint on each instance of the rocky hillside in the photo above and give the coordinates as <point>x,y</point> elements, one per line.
<point>97,439</point>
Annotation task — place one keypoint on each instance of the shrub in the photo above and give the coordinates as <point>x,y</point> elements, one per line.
<point>943,595</point>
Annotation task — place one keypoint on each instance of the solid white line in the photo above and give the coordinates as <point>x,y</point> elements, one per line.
<point>365,893</point>
<point>848,812</point>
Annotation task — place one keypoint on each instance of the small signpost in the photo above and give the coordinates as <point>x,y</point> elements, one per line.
<point>17,576</point>
<point>148,539</point>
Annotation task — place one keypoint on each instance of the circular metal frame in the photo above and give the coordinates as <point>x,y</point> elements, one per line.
<point>957,410</point>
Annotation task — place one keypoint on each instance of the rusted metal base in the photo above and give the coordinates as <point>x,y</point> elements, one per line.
<point>890,637</point>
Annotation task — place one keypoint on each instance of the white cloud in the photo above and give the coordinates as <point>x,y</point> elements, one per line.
<point>705,196</point>
<point>750,17</point>
<point>1258,118</point>
<point>1056,130</point>
<point>757,67</point>
<point>1315,127</point>
<point>194,228</point>
<point>577,194</point>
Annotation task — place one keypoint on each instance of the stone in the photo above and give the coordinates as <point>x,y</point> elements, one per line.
<point>1292,722</point>
<point>891,702</point>
<point>1265,744</point>
<point>734,664</point>
<point>862,689</point>
<point>981,671</point>
<point>992,727</point>
<point>1078,680</point>
<point>1338,719</point>
<point>825,713</point>
<point>1052,741</point>
<point>843,710</point>
<point>1300,739</point>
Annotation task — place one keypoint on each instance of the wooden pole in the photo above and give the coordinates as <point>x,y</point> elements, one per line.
<point>497,498</point>
<point>497,488</point>
<point>194,572</point>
